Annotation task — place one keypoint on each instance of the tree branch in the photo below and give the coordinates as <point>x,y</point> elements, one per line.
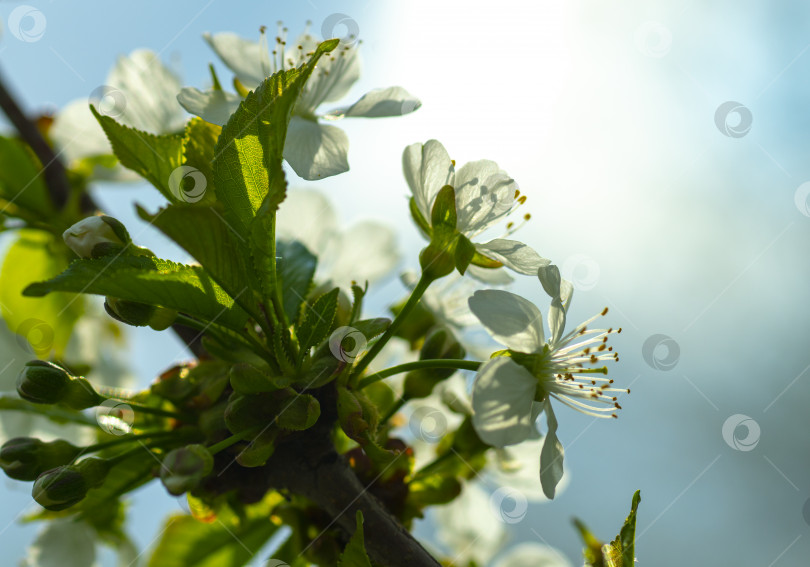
<point>53,169</point>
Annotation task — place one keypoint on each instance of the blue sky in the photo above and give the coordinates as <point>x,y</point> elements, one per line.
<point>607,118</point>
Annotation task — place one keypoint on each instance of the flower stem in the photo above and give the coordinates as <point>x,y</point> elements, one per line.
<point>435,463</point>
<point>417,293</point>
<point>148,409</point>
<point>127,439</point>
<point>417,365</point>
<point>232,440</point>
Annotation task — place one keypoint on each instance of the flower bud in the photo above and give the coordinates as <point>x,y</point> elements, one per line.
<point>247,379</point>
<point>139,314</point>
<point>41,382</point>
<point>184,468</point>
<point>25,458</point>
<point>439,343</point>
<point>80,395</point>
<point>65,486</point>
<point>97,236</point>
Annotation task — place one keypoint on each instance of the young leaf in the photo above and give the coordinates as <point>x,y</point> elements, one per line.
<point>317,323</point>
<point>247,167</point>
<point>199,147</point>
<point>355,553</point>
<point>203,233</point>
<point>22,187</point>
<point>152,157</point>
<point>189,289</point>
<point>45,324</point>
<point>627,536</point>
<point>296,266</point>
<point>443,215</point>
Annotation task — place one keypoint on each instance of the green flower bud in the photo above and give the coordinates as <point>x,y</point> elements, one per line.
<point>80,395</point>
<point>25,458</point>
<point>184,468</point>
<point>97,236</point>
<point>247,379</point>
<point>440,343</point>
<point>139,314</point>
<point>41,382</point>
<point>66,486</point>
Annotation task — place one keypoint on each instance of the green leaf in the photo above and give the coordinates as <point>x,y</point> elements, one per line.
<point>226,542</point>
<point>45,323</point>
<point>152,157</point>
<point>296,266</point>
<point>618,553</point>
<point>317,323</point>
<point>203,232</point>
<point>465,252</point>
<point>199,147</point>
<point>189,289</point>
<point>627,536</point>
<point>247,167</point>
<point>355,553</point>
<point>23,192</point>
<point>443,215</point>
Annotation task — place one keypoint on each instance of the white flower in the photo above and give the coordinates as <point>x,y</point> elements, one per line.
<point>511,391</point>
<point>139,92</point>
<point>88,233</point>
<point>312,149</point>
<point>366,251</point>
<point>485,195</point>
<point>530,554</point>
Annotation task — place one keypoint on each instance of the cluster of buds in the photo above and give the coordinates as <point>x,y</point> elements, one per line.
<point>41,382</point>
<point>67,485</point>
<point>101,236</point>
<point>183,469</point>
<point>25,458</point>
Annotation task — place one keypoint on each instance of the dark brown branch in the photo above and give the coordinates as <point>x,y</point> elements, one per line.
<point>310,467</point>
<point>53,168</point>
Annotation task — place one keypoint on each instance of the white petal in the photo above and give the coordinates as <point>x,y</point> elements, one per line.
<point>77,133</point>
<point>513,321</point>
<point>484,194</point>
<point>503,393</point>
<point>549,277</point>
<point>513,254</point>
<point>556,320</point>
<point>150,90</point>
<point>551,457</point>
<point>316,151</point>
<point>393,101</point>
<point>531,554</point>
<point>468,527</point>
<point>307,216</point>
<point>241,56</point>
<point>213,106</point>
<point>333,77</point>
<point>491,276</point>
<point>367,251</point>
<point>427,168</point>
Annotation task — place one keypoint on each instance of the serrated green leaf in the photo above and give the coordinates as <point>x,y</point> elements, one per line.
<point>199,149</point>
<point>22,186</point>
<point>296,267</point>
<point>45,323</point>
<point>203,232</point>
<point>355,553</point>
<point>247,167</point>
<point>317,323</point>
<point>189,289</point>
<point>627,536</point>
<point>152,157</point>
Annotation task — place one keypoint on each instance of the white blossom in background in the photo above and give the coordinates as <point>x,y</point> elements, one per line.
<point>63,543</point>
<point>469,528</point>
<point>139,92</point>
<point>446,300</point>
<point>511,391</point>
<point>485,196</point>
<point>365,251</point>
<point>313,149</point>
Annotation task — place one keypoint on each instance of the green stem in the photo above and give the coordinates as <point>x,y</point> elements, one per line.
<point>148,409</point>
<point>54,413</point>
<point>245,340</point>
<point>434,464</point>
<point>232,440</point>
<point>393,409</point>
<point>127,439</point>
<point>418,365</point>
<point>417,293</point>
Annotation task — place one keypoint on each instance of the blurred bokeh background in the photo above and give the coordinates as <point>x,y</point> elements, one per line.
<point>663,149</point>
